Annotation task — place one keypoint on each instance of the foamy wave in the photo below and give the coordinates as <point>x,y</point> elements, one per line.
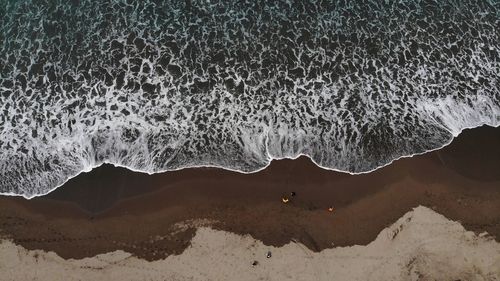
<point>164,85</point>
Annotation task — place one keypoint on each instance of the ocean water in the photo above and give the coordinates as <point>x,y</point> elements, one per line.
<point>158,85</point>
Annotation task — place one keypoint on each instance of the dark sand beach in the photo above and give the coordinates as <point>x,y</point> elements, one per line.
<point>113,208</point>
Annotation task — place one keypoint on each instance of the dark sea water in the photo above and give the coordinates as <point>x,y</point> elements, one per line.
<point>159,85</point>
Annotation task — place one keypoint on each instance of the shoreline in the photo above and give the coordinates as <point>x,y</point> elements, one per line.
<point>115,209</point>
<point>300,155</point>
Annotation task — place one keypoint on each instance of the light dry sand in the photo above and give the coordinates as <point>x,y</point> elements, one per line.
<point>422,245</point>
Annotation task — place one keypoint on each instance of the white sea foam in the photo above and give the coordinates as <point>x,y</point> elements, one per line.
<point>158,87</point>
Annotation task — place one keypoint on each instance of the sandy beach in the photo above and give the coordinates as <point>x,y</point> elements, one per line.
<point>409,249</point>
<point>156,217</point>
<point>195,140</point>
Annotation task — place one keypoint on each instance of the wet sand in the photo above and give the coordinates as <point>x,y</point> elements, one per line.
<point>112,208</point>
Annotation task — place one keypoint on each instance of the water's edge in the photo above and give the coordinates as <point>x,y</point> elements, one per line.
<point>88,169</point>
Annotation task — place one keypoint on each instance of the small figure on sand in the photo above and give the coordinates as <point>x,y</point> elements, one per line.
<point>293,193</point>
<point>269,255</point>
<point>330,209</point>
<point>255,263</point>
<point>285,199</point>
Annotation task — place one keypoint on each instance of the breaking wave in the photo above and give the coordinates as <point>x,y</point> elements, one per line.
<point>162,85</point>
